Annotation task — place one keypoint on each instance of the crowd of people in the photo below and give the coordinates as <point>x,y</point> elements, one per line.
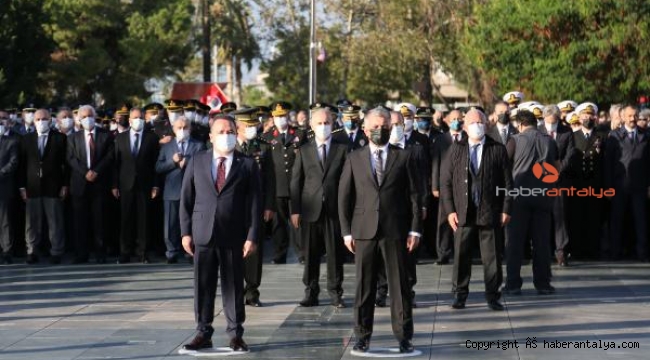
<point>527,178</point>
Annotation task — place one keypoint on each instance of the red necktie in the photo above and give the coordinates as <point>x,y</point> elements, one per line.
<point>91,147</point>
<point>221,174</point>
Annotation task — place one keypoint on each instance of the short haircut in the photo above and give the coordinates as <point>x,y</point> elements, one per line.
<point>226,117</point>
<point>526,118</point>
<point>626,106</point>
<point>325,111</point>
<point>552,110</point>
<point>645,113</point>
<point>379,111</point>
<point>87,107</point>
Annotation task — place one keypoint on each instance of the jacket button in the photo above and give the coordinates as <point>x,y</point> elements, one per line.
<point>287,170</point>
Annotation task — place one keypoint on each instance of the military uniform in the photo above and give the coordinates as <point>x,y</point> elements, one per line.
<point>283,153</point>
<point>352,133</point>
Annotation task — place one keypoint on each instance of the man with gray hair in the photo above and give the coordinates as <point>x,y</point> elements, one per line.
<point>43,183</point>
<point>563,137</point>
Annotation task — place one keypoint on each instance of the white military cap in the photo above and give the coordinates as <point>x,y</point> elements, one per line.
<point>513,97</point>
<point>404,107</point>
<point>587,108</point>
<point>567,105</point>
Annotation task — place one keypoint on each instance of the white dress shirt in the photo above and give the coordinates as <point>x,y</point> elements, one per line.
<point>353,132</point>
<point>215,164</point>
<point>87,141</point>
<point>500,127</point>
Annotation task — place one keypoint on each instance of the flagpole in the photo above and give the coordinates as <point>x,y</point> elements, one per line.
<point>312,55</point>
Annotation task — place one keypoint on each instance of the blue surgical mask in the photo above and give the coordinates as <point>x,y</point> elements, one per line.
<point>350,125</point>
<point>456,125</point>
<point>424,124</point>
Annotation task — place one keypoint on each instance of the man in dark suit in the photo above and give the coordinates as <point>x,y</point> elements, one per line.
<point>135,184</point>
<point>627,170</point>
<point>27,127</point>
<point>587,215</point>
<point>9,154</point>
<point>502,131</point>
<point>314,208</point>
<point>379,207</point>
<point>171,164</point>
<point>285,141</point>
<point>43,182</point>
<point>472,170</point>
<point>353,136</point>
<point>90,156</point>
<point>220,218</point>
<point>251,145</point>
<point>563,137</point>
<point>531,215</point>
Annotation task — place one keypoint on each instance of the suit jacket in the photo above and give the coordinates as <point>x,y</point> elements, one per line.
<point>364,205</point>
<point>44,177</point>
<point>440,149</point>
<point>342,137</point>
<point>565,145</point>
<point>314,187</point>
<point>627,164</point>
<point>9,155</point>
<point>494,172</point>
<point>139,172</point>
<point>166,167</point>
<point>260,151</point>
<point>224,219</point>
<point>20,129</point>
<point>510,144</point>
<point>76,155</point>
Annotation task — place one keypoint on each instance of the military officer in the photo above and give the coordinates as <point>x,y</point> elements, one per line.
<point>352,133</point>
<point>513,98</point>
<point>285,142</point>
<point>228,107</point>
<point>566,107</point>
<point>200,130</point>
<point>573,120</point>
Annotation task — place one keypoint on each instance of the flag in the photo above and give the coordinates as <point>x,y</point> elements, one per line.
<point>214,97</point>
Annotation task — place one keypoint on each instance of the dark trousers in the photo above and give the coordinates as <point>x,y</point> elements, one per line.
<point>531,218</point>
<point>6,236</point>
<point>208,262</point>
<point>445,236</point>
<point>253,269</point>
<point>462,270</point>
<point>89,212</point>
<point>323,236</point>
<point>429,228</point>
<point>367,254</point>
<point>38,210</point>
<point>560,224</point>
<point>586,222</point>
<point>134,207</point>
<point>282,233</point>
<point>628,205</point>
<point>411,275</point>
<point>172,229</point>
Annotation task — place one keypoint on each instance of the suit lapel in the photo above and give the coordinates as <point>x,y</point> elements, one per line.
<point>390,161</point>
<point>82,146</point>
<point>335,149</point>
<point>367,161</point>
<point>312,150</point>
<point>234,168</point>
<point>206,165</point>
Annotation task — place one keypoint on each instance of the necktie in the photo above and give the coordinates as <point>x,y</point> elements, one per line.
<point>284,138</point>
<point>630,136</point>
<point>504,135</point>
<point>134,151</point>
<point>473,158</point>
<point>586,136</point>
<point>379,167</point>
<point>552,135</point>
<point>221,174</point>
<point>183,148</point>
<point>41,145</point>
<point>91,147</point>
<point>323,155</point>
<point>244,147</point>
<point>351,137</point>
<point>455,138</point>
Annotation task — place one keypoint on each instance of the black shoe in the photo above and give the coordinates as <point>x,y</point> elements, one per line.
<point>361,346</point>
<point>278,261</point>
<point>495,305</point>
<point>338,303</point>
<point>380,301</point>
<point>309,302</point>
<point>6,259</point>
<point>406,347</point>
<point>172,260</point>
<point>145,260</point>
<point>31,259</point>
<point>198,343</point>
<point>254,302</point>
<point>123,259</point>
<point>442,262</point>
<point>546,290</point>
<point>55,259</point>
<point>458,304</point>
<point>238,344</point>
<point>301,260</point>
<point>511,291</point>
<point>80,260</point>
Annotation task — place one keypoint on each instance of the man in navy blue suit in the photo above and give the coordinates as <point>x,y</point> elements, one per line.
<point>219,228</point>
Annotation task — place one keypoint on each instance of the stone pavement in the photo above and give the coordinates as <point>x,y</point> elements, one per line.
<point>145,312</point>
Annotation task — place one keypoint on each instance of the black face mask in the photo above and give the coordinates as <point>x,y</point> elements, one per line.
<point>503,119</point>
<point>589,124</point>
<point>379,137</point>
<point>123,122</point>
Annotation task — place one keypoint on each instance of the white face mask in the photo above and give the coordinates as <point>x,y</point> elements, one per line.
<point>190,115</point>
<point>112,127</point>
<point>2,130</point>
<point>153,118</point>
<point>323,132</point>
<point>42,127</point>
<point>29,118</point>
<point>280,122</point>
<point>13,117</point>
<point>67,123</point>
<point>182,135</point>
<point>224,143</point>
<point>205,121</point>
<point>137,124</point>
<point>173,116</point>
<point>476,131</point>
<point>88,123</point>
<point>250,132</point>
<point>396,134</point>
<point>408,125</point>
<point>551,127</point>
